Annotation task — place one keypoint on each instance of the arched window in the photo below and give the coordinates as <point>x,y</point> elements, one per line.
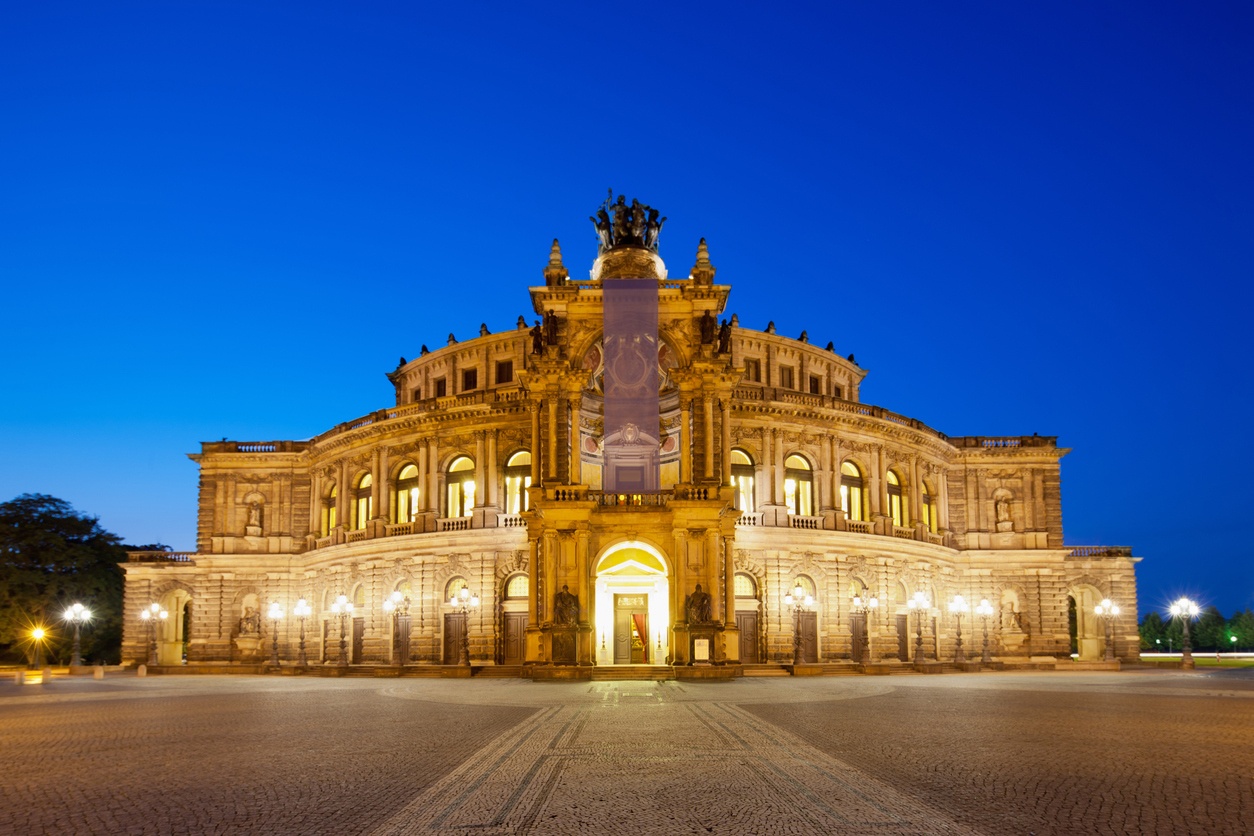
<point>461,487</point>
<point>806,583</point>
<point>927,505</point>
<point>363,502</point>
<point>798,486</point>
<point>851,501</point>
<point>518,586</point>
<point>407,494</point>
<point>328,511</point>
<point>745,587</point>
<point>453,588</point>
<point>517,480</point>
<point>742,479</point>
<point>896,509</point>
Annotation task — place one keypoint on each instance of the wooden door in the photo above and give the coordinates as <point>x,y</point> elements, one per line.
<point>903,637</point>
<point>359,640</point>
<point>515,638</point>
<point>454,629</point>
<point>809,624</point>
<point>858,633</point>
<point>747,624</point>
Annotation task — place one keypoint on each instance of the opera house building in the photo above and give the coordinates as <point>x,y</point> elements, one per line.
<point>633,482</point>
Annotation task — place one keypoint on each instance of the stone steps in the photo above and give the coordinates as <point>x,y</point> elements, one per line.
<point>621,673</point>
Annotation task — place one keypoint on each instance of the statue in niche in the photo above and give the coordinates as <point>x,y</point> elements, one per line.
<point>697,607</point>
<point>254,514</point>
<point>250,624</point>
<point>1001,509</point>
<point>565,608</point>
<point>724,338</point>
<point>550,328</point>
<point>707,328</point>
<point>537,339</point>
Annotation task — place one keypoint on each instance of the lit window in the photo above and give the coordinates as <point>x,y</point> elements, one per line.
<point>745,587</point>
<point>363,502</point>
<point>517,480</point>
<point>895,508</point>
<point>928,506</point>
<point>461,487</point>
<point>851,491</point>
<point>518,586</point>
<point>742,480</point>
<point>407,494</point>
<point>798,486</point>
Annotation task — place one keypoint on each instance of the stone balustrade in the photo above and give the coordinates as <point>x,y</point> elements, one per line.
<point>160,557</point>
<point>1099,551</point>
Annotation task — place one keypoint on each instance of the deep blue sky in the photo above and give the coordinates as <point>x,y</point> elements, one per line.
<point>219,220</point>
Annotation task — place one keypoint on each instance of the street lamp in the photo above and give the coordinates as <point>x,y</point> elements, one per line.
<point>984,609</point>
<point>958,606</point>
<point>1108,611</point>
<point>1233,643</point>
<point>150,615</point>
<point>864,607</point>
<point>398,604</point>
<point>344,609</point>
<point>275,613</point>
<point>799,601</point>
<point>37,636</point>
<point>77,615</point>
<point>302,611</point>
<point>1186,611</point>
<point>463,602</point>
<point>919,603</point>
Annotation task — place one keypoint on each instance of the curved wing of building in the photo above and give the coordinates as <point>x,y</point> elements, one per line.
<point>634,478</point>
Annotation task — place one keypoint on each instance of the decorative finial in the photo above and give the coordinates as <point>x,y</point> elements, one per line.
<point>805,337</point>
<point>703,271</point>
<point>483,329</point>
<point>451,339</point>
<point>522,323</point>
<point>556,273</point>
<point>770,327</point>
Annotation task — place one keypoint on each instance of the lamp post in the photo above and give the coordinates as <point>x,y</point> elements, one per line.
<point>1186,611</point>
<point>984,609</point>
<point>463,602</point>
<point>919,604</point>
<point>1232,642</point>
<point>77,615</point>
<point>799,601</point>
<point>958,606</point>
<point>150,615</point>
<point>275,614</point>
<point>1108,611</point>
<point>343,608</point>
<point>37,636</point>
<point>301,611</point>
<point>398,604</point>
<point>864,607</point>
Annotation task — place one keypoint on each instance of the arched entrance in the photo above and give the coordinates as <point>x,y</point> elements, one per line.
<point>173,632</point>
<point>1087,641</point>
<point>632,605</point>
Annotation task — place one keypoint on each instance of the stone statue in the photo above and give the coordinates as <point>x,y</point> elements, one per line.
<point>550,328</point>
<point>604,229</point>
<point>565,608</point>
<point>250,624</point>
<point>653,228</point>
<point>724,338</point>
<point>697,607</point>
<point>707,328</point>
<point>424,350</point>
<point>537,339</point>
<point>254,513</point>
<point>637,220</point>
<point>622,220</point>
<point>618,224</point>
<point>1002,508</point>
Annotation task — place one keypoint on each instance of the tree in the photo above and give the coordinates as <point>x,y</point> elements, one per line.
<point>1153,630</point>
<point>1241,625</point>
<point>1208,631</point>
<point>50,557</point>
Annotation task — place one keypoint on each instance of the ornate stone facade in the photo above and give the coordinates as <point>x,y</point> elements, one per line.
<point>487,473</point>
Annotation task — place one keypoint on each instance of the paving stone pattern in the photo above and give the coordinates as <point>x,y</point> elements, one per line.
<point>1162,752</point>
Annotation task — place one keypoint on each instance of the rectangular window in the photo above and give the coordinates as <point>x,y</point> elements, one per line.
<point>441,388</point>
<point>753,371</point>
<point>505,372</point>
<point>415,396</point>
<point>815,384</point>
<point>786,377</point>
<point>837,392</point>
<point>470,380</point>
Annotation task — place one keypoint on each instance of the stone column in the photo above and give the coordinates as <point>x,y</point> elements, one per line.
<point>777,465</point>
<point>916,492</point>
<point>343,497</point>
<point>942,500</point>
<point>551,468</point>
<point>492,475</point>
<point>707,405</point>
<point>875,479</point>
<point>729,586</point>
<point>480,481</point>
<point>433,472</point>
<point>533,407</point>
<point>725,442</point>
<point>576,474</point>
<point>423,492</point>
<point>763,480</point>
<point>685,441</point>
<point>379,493</point>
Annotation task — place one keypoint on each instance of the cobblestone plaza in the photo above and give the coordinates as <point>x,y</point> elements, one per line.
<point>1133,752</point>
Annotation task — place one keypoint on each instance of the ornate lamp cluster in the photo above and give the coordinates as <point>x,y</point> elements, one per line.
<point>464,602</point>
<point>78,615</point>
<point>1108,611</point>
<point>150,615</point>
<point>919,603</point>
<point>800,601</point>
<point>1186,610</point>
<point>864,607</point>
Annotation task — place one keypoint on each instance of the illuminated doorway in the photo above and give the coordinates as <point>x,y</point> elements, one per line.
<point>632,606</point>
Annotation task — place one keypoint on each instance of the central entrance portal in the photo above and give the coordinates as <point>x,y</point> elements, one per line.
<point>632,606</point>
